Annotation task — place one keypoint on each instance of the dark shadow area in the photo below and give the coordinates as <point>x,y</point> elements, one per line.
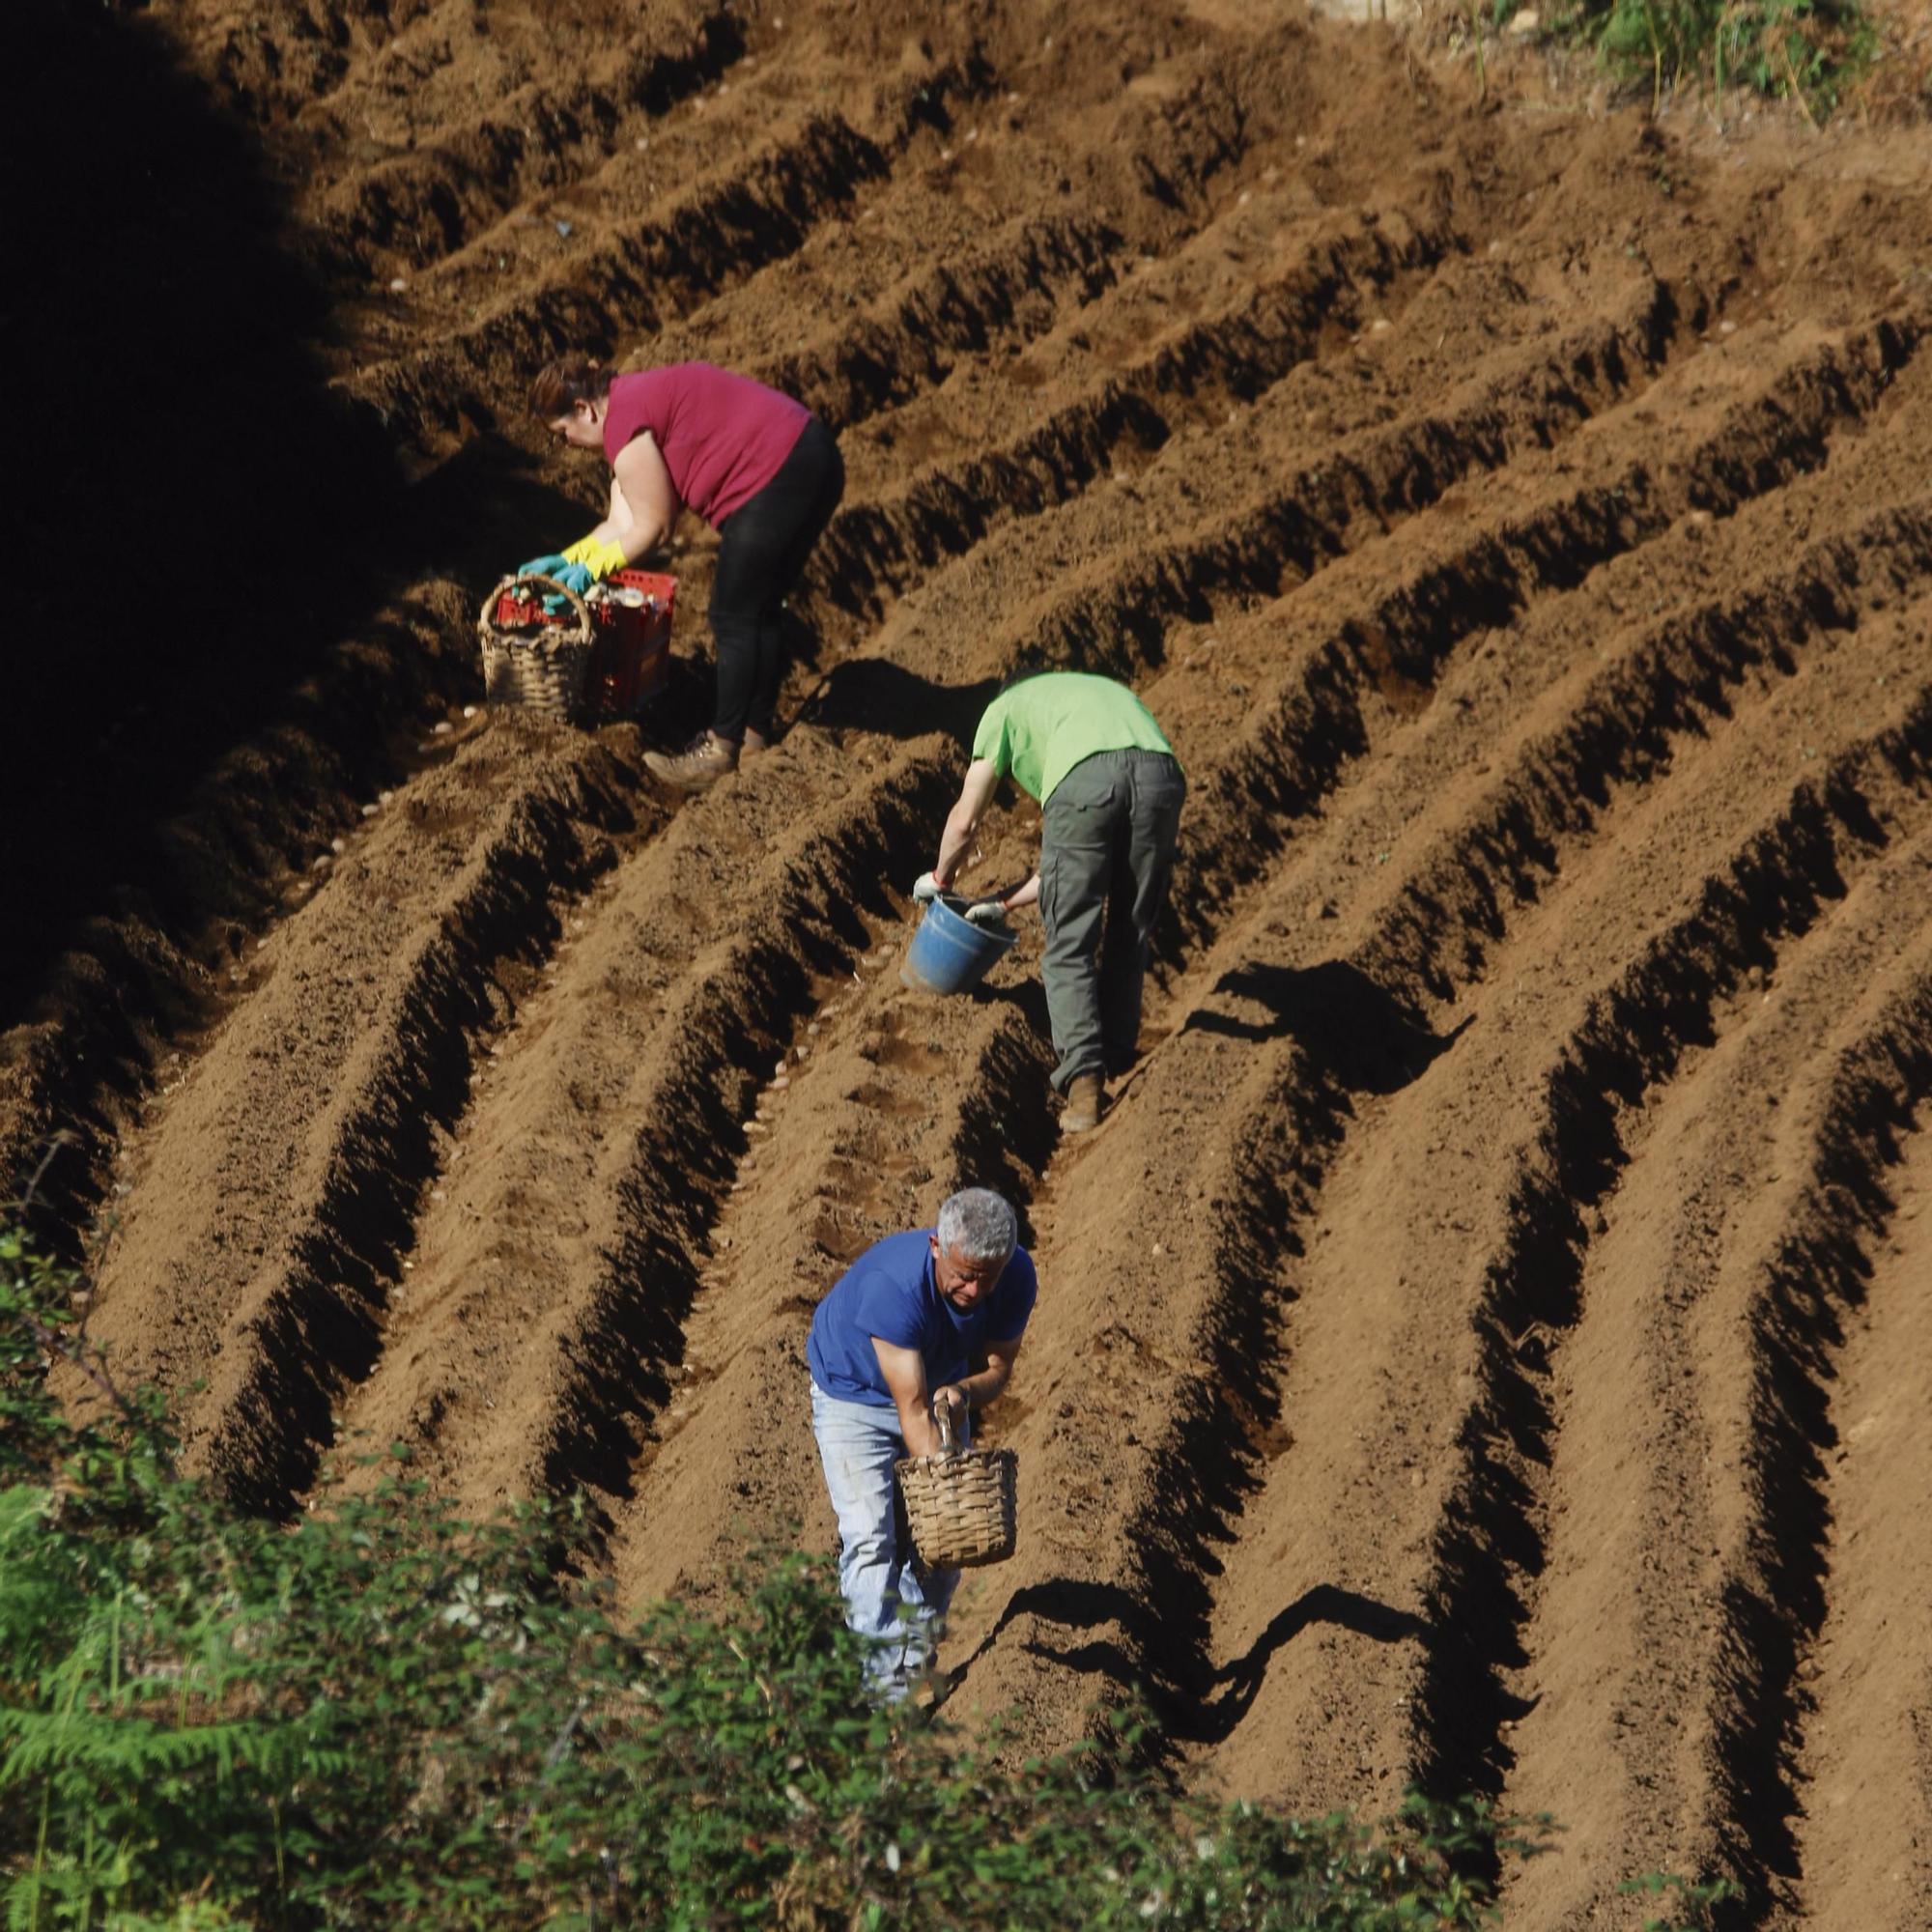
<point>1007,1131</point>
<point>1240,1683</point>
<point>197,514</point>
<point>1070,1606</point>
<point>492,504</point>
<point>1028,999</point>
<point>1352,1029</point>
<point>1079,1608</point>
<point>870,695</point>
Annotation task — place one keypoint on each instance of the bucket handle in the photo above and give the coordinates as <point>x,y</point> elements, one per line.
<point>486,618</point>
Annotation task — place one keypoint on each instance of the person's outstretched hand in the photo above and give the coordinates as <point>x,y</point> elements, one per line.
<point>986,912</point>
<point>541,566</point>
<point>924,888</point>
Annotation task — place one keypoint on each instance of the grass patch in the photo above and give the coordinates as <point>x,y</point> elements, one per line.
<point>1811,51</point>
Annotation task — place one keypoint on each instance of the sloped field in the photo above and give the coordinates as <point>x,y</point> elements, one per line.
<point>1488,1344</point>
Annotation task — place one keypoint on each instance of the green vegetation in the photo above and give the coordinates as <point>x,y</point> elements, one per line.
<point>1811,50</point>
<point>382,1715</point>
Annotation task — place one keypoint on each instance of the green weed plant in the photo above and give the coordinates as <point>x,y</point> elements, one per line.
<point>382,1716</point>
<point>1807,50</point>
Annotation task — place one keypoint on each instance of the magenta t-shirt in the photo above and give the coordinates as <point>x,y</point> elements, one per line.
<point>723,436</point>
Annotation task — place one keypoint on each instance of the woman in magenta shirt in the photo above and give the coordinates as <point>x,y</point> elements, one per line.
<point>756,465</point>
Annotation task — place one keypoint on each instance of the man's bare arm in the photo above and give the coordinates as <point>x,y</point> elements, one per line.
<point>975,794</point>
<point>984,1385</point>
<point>905,1383</point>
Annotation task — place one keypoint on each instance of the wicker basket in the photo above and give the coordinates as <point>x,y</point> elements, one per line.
<point>541,664</point>
<point>963,1503</point>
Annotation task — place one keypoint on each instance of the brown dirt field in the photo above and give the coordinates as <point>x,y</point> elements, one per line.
<point>1488,1342</point>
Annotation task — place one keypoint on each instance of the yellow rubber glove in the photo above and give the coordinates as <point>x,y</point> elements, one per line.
<point>598,554</point>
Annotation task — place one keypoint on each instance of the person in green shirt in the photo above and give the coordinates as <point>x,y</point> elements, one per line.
<point>1110,791</point>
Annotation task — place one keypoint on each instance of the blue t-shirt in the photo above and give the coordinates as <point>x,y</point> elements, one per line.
<point>889,1293</point>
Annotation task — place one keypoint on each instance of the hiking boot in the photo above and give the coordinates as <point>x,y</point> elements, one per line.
<point>1084,1099</point>
<point>701,763</point>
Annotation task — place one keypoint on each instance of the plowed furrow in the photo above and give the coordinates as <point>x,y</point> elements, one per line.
<point>873,552</point>
<point>1862,1705</point>
<point>1191,248</point>
<point>300,1140</point>
<point>1650,1497</point>
<point>423,205</point>
<point>287,55</point>
<point>139,982</point>
<point>891,1100</point>
<point>1680,679</point>
<point>1392,652</point>
<point>1329,1476</point>
<point>1366,1397</point>
<point>995,298</point>
<point>617,1356</point>
<point>1491,1545</point>
<point>1185,331</point>
<point>541,1327</point>
<point>1779,1582</point>
<point>716,234</point>
<point>1346,1039</point>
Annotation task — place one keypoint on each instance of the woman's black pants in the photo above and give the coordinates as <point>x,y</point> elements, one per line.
<point>765,546</point>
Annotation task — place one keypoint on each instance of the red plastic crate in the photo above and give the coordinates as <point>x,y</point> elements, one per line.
<point>630,648</point>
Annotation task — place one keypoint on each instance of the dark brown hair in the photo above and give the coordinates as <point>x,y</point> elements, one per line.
<point>559,386</point>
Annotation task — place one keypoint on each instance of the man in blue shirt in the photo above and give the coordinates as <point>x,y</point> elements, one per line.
<point>895,1341</point>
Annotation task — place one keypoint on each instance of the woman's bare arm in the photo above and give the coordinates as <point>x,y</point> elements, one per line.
<point>641,490</point>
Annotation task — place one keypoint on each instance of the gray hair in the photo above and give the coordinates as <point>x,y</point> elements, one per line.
<point>978,1227</point>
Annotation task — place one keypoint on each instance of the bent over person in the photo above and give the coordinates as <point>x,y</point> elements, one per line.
<point>922,1320</point>
<point>756,465</point>
<point>1110,790</point>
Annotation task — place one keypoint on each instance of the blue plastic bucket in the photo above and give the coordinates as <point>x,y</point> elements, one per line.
<point>949,954</point>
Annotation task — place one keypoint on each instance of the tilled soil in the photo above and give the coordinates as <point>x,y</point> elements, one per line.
<point>1486,1343</point>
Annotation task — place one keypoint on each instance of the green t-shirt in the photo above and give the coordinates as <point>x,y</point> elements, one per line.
<point>1042,727</point>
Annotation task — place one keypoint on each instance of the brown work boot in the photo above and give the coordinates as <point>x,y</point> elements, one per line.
<point>701,763</point>
<point>1086,1098</point>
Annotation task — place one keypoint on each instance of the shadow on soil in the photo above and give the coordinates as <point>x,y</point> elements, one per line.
<point>1353,1032</point>
<point>872,695</point>
<point>1240,1681</point>
<point>1212,1720</point>
<point>195,501</point>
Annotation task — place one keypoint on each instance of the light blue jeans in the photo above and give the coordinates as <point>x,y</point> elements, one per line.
<point>890,1600</point>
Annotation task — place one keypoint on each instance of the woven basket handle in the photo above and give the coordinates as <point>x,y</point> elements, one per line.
<point>485,618</point>
<point>942,1414</point>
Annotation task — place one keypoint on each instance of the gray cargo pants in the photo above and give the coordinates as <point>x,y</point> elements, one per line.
<point>1106,852</point>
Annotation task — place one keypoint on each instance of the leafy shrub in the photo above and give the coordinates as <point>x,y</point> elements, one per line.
<point>1809,50</point>
<point>383,1716</point>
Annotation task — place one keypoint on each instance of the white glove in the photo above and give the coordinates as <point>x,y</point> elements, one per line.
<point>987,912</point>
<point>926,889</point>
